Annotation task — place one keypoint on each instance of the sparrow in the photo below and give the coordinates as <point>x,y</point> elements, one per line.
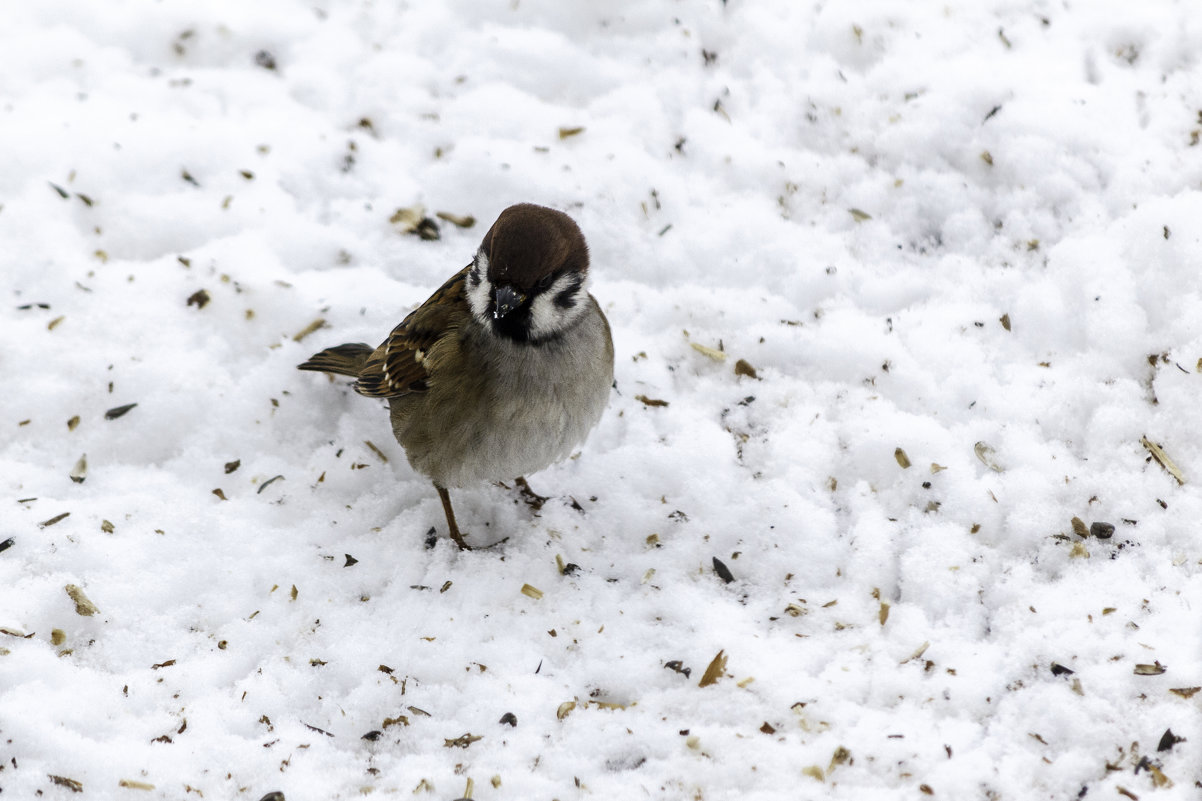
<point>504,370</point>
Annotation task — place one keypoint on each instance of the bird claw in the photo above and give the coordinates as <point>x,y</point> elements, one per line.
<point>463,546</point>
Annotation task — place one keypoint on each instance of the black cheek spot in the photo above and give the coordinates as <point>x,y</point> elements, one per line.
<point>568,296</point>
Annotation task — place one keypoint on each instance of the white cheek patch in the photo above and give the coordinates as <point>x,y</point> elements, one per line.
<point>479,290</point>
<point>547,318</point>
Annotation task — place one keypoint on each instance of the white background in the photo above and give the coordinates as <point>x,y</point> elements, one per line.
<point>847,196</point>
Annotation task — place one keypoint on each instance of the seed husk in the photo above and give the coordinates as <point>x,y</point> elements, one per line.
<point>118,411</point>
<point>985,452</point>
<point>743,367</point>
<point>715,670</point>
<point>80,471</point>
<point>83,605</point>
<point>462,741</point>
<point>457,220</point>
<point>1162,459</point>
<point>650,401</point>
<point>713,353</point>
<point>309,329</point>
<point>133,785</point>
<point>63,781</point>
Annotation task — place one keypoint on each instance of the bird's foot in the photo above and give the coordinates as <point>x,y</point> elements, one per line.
<point>457,537</point>
<point>463,546</point>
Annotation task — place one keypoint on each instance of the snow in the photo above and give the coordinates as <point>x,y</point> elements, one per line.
<point>851,197</point>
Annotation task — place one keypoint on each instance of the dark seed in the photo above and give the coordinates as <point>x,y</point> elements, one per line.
<point>350,560</point>
<point>118,411</point>
<point>509,718</point>
<point>1061,670</point>
<point>265,60</point>
<point>63,781</point>
<point>1102,531</point>
<point>267,482</point>
<point>232,466</point>
<point>1168,740</point>
<point>431,539</point>
<point>678,666</point>
<point>570,568</point>
<point>200,298</point>
<point>372,736</point>
<point>427,229</point>
<point>723,571</point>
<point>274,795</point>
<point>8,543</point>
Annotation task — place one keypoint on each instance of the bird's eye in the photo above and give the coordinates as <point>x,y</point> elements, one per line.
<point>545,281</point>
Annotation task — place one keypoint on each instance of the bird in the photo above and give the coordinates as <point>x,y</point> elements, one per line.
<point>504,370</point>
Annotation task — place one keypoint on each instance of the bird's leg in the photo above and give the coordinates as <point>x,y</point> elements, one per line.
<point>450,513</point>
<point>532,498</point>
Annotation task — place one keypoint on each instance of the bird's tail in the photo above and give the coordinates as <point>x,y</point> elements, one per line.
<point>345,359</point>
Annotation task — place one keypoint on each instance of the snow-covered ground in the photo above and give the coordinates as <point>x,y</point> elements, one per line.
<point>957,245</point>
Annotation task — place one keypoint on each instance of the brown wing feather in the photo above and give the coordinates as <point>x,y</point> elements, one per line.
<point>397,367</point>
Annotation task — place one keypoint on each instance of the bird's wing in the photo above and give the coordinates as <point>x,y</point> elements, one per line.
<point>399,366</point>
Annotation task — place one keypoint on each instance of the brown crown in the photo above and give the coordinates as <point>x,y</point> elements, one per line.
<point>529,242</point>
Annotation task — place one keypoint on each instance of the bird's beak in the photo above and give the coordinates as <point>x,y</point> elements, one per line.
<point>506,300</point>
